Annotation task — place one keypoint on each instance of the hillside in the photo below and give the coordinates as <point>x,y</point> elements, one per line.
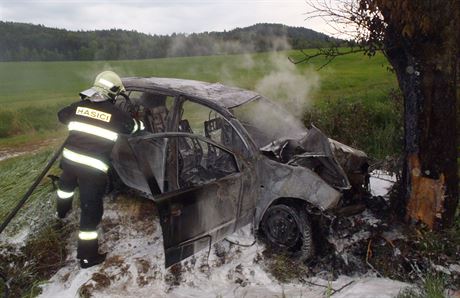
<point>27,42</point>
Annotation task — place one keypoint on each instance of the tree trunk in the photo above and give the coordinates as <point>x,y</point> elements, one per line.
<point>426,73</point>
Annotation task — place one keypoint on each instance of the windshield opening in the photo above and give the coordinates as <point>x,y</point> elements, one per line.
<point>266,121</point>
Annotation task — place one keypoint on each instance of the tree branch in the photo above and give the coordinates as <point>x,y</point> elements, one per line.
<point>329,53</point>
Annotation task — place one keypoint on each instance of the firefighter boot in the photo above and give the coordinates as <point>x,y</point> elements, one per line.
<point>87,252</point>
<point>63,207</point>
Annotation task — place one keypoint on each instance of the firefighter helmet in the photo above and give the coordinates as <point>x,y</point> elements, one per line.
<point>107,85</point>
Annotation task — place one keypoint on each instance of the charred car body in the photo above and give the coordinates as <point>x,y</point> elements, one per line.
<point>216,158</point>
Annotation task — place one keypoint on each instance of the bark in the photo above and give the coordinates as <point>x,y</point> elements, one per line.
<point>426,72</point>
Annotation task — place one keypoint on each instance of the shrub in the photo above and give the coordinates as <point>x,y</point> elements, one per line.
<point>7,122</point>
<point>28,119</point>
<point>372,126</point>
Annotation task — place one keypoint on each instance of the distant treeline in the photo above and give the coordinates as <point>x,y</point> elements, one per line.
<point>27,42</point>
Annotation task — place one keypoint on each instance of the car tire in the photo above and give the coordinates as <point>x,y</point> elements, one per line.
<point>288,229</point>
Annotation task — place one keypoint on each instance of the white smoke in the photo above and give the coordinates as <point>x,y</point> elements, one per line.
<point>288,86</point>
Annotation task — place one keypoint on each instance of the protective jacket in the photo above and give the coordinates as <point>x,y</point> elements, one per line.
<point>93,130</point>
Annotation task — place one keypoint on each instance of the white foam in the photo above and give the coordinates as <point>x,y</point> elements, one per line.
<point>381,182</point>
<point>135,268</point>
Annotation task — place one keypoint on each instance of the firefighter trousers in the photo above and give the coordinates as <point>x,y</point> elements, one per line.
<point>92,185</point>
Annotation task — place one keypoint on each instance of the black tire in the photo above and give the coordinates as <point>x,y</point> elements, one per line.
<point>288,229</point>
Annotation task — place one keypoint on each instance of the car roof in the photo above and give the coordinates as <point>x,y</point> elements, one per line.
<point>223,95</point>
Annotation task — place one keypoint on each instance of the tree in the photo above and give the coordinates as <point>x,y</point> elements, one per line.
<point>421,41</point>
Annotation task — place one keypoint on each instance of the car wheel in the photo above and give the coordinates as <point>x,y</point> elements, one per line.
<point>287,228</point>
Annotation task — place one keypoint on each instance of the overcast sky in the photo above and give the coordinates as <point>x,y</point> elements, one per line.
<point>158,16</point>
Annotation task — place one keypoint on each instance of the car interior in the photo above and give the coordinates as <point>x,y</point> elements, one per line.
<point>199,162</point>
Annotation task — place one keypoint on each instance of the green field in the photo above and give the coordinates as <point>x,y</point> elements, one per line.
<point>34,91</point>
<point>46,83</point>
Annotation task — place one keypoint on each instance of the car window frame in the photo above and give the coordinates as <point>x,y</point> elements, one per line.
<point>150,135</point>
<point>180,97</point>
<point>218,109</point>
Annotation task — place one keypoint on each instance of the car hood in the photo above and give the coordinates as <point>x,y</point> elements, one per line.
<point>333,161</point>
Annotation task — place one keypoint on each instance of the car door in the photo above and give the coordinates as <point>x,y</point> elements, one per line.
<point>209,122</point>
<point>196,184</point>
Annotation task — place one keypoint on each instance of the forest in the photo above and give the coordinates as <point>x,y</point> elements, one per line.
<point>27,42</point>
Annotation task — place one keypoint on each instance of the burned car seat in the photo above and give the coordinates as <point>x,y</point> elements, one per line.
<point>155,111</point>
<point>191,172</point>
<point>218,161</point>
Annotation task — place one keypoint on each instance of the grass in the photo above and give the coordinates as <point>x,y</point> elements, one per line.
<point>34,91</point>
<point>432,286</point>
<point>438,246</point>
<point>376,127</point>
<point>29,120</point>
<point>284,268</point>
<point>35,262</point>
<point>45,83</point>
<point>43,252</point>
<point>16,176</point>
<point>28,141</point>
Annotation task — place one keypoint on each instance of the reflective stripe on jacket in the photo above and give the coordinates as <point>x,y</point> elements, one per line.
<point>85,160</point>
<point>94,128</point>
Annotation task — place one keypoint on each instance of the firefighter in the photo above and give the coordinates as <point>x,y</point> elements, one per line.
<point>94,124</point>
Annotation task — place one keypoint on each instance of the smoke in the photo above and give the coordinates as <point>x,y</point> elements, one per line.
<point>284,83</point>
<point>92,69</point>
<point>204,45</point>
<point>178,47</point>
<point>288,86</point>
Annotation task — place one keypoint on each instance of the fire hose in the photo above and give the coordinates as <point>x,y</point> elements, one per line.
<point>22,202</point>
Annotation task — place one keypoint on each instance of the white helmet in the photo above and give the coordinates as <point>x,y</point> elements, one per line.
<point>107,85</point>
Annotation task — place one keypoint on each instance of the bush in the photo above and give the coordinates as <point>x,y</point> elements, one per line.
<point>40,118</point>
<point>372,126</point>
<point>7,123</point>
<point>28,119</point>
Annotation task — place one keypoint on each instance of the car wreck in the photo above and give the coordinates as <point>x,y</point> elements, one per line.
<point>216,158</point>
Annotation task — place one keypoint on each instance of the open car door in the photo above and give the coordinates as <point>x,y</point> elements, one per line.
<point>196,184</point>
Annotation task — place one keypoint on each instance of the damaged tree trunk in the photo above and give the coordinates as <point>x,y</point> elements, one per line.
<point>421,40</point>
<point>426,72</point>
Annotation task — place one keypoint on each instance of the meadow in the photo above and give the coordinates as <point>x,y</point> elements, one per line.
<point>34,91</point>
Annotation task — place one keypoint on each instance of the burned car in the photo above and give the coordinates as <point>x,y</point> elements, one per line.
<point>215,158</point>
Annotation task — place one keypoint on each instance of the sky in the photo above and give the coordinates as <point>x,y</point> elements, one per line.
<point>159,16</point>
